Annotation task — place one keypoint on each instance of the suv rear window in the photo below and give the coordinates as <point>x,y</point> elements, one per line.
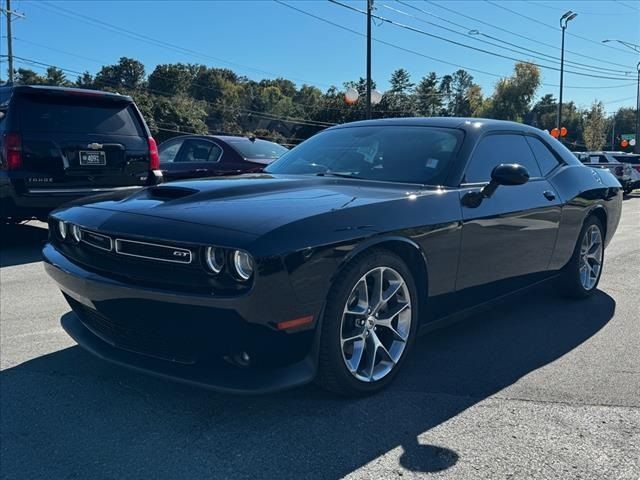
<point>62,115</point>
<point>259,149</point>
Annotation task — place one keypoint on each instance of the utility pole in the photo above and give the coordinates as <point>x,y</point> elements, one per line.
<point>368,97</point>
<point>9,41</point>
<point>7,11</point>
<point>613,132</point>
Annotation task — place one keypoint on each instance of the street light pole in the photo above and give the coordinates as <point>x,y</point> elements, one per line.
<point>636,147</point>
<point>368,99</point>
<point>564,20</point>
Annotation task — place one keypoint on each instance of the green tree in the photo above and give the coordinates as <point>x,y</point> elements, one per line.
<point>26,76</point>
<point>85,81</point>
<point>55,77</point>
<point>595,127</point>
<point>428,100</point>
<point>398,97</point>
<point>512,97</point>
<point>463,93</point>
<point>126,74</point>
<point>180,113</point>
<point>173,78</point>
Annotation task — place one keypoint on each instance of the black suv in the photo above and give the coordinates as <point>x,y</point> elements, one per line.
<point>59,144</point>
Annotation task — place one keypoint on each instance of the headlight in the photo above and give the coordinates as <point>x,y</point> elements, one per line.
<point>243,264</point>
<point>215,259</point>
<point>62,229</point>
<point>75,232</point>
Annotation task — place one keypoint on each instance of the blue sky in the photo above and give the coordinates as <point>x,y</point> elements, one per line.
<point>266,39</point>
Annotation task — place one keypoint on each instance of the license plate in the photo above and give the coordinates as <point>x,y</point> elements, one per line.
<point>93,158</point>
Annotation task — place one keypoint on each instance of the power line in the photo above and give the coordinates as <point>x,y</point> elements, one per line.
<point>58,10</point>
<point>454,42</point>
<point>270,116</point>
<point>439,60</point>
<point>488,24</point>
<point>535,20</point>
<point>548,57</point>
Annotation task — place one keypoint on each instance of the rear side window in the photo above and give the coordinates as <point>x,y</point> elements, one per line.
<point>496,149</point>
<point>62,115</point>
<point>169,150</point>
<point>199,151</point>
<point>259,149</point>
<point>546,160</point>
<point>598,159</point>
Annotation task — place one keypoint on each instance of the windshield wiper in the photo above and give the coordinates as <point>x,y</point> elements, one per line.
<point>337,174</point>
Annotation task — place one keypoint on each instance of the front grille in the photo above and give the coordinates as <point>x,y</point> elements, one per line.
<point>135,335</point>
<point>153,251</point>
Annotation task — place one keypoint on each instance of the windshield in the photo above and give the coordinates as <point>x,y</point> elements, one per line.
<point>388,153</point>
<point>258,149</point>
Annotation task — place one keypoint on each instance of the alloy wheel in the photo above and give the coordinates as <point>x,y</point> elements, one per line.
<point>376,323</point>
<point>591,251</point>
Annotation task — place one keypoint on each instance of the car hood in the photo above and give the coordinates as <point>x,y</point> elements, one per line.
<point>253,204</point>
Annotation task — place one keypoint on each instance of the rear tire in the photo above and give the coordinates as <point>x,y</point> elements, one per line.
<point>367,331</point>
<point>580,277</point>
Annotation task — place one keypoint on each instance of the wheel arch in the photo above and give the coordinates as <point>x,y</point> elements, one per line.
<point>601,214</point>
<point>411,254</point>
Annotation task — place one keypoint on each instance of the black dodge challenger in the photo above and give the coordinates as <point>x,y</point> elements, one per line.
<point>328,264</point>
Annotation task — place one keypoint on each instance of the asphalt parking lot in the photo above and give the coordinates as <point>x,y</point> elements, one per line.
<point>538,387</point>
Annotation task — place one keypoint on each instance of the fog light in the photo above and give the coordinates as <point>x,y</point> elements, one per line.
<point>75,233</point>
<point>215,259</point>
<point>62,229</point>
<point>243,264</point>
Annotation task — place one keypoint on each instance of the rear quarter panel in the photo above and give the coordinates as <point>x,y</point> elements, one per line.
<point>584,191</point>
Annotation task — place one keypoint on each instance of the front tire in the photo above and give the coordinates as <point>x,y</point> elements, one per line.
<point>369,324</point>
<point>582,274</point>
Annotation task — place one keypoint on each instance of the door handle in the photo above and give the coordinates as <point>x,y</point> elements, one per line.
<point>549,195</point>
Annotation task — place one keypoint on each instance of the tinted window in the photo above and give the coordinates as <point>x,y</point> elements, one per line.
<point>388,153</point>
<point>546,160</point>
<point>39,114</point>
<point>169,150</point>
<point>258,150</point>
<point>199,151</point>
<point>496,149</point>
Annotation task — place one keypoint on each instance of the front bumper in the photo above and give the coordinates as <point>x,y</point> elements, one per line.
<point>193,339</point>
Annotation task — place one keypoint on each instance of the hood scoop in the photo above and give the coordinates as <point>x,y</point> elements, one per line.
<point>168,193</point>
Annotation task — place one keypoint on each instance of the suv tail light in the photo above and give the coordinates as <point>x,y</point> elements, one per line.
<point>154,157</point>
<point>13,150</point>
<point>637,168</point>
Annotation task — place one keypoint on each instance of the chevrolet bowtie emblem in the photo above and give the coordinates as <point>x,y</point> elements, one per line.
<point>95,146</point>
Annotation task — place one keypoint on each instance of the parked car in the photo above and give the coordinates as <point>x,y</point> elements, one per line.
<point>59,144</point>
<point>192,156</point>
<point>625,166</point>
<point>330,262</point>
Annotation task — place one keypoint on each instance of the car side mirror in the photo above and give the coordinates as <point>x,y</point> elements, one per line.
<point>503,174</point>
<point>506,174</point>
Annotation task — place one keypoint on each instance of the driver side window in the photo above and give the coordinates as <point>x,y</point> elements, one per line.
<point>496,149</point>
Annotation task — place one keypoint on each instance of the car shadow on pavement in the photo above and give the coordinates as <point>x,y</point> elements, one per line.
<point>20,244</point>
<point>70,415</point>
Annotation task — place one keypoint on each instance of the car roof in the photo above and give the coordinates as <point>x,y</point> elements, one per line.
<point>222,138</point>
<point>463,123</point>
<point>62,91</point>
